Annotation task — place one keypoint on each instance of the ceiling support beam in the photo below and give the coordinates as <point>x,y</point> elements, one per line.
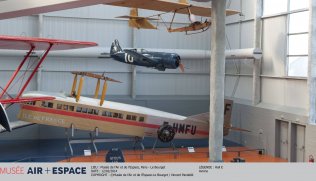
<point>256,94</point>
<point>217,77</point>
<point>18,8</point>
<point>311,79</point>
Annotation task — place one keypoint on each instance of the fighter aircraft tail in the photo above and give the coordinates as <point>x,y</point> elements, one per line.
<point>4,120</point>
<point>115,47</point>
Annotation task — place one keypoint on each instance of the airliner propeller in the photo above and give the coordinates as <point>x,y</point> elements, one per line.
<point>166,133</point>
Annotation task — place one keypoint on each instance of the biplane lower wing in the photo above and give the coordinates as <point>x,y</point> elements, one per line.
<point>25,99</point>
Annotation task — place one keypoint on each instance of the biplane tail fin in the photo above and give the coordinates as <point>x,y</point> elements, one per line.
<point>4,120</point>
<point>184,1</point>
<point>139,22</point>
<point>115,47</point>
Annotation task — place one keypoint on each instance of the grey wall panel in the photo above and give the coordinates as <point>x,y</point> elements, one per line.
<point>290,93</point>
<point>84,64</point>
<point>229,85</point>
<point>163,39</point>
<point>24,26</point>
<point>274,46</point>
<point>176,84</point>
<point>101,31</point>
<point>10,63</point>
<point>244,88</point>
<point>246,66</point>
<point>295,93</point>
<point>273,91</point>
<point>248,8</point>
<point>247,34</point>
<point>196,66</point>
<point>261,119</point>
<point>233,36</point>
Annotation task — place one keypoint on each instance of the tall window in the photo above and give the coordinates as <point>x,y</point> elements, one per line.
<point>297,33</point>
<point>298,39</point>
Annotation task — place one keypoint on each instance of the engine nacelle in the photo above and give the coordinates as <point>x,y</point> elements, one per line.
<point>172,61</point>
<point>166,133</point>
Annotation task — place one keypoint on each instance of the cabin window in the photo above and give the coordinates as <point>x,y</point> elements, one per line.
<point>141,119</point>
<point>44,104</point>
<point>134,118</point>
<point>115,115</point>
<point>96,112</point>
<point>71,108</point>
<point>30,103</point>
<point>107,114</point>
<point>50,105</point>
<point>59,106</point>
<point>84,110</point>
<point>79,109</point>
<point>120,115</point>
<point>65,107</point>
<point>90,111</point>
<point>128,117</point>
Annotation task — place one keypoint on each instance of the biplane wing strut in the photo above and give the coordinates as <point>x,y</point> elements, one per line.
<point>15,100</point>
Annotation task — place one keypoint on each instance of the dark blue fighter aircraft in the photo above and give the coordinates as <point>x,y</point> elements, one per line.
<point>157,60</point>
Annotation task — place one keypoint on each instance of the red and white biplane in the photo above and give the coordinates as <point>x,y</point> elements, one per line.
<point>30,44</point>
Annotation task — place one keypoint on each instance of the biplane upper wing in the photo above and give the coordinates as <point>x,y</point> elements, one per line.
<point>168,6</point>
<point>25,43</point>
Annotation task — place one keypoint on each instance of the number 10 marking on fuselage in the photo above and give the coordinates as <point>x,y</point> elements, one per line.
<point>129,58</point>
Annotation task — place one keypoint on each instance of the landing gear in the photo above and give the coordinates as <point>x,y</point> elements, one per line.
<point>93,140</point>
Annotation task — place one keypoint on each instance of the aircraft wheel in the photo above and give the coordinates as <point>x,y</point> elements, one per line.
<point>166,133</point>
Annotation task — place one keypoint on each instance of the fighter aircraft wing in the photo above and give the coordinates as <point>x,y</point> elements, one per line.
<point>168,6</point>
<point>141,57</point>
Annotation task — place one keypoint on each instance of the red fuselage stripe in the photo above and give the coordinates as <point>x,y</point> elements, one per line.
<point>95,117</point>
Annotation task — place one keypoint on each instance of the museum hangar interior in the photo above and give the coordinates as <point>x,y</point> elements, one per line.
<point>273,96</point>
